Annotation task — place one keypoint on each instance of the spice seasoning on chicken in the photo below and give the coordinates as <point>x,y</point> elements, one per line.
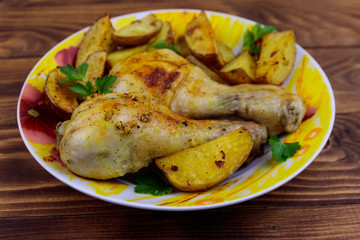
<point>108,114</point>
<point>145,117</point>
<point>160,78</point>
<point>125,128</point>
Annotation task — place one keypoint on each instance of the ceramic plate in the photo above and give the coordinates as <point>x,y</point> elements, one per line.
<point>37,125</point>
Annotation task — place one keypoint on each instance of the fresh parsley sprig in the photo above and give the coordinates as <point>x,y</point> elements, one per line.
<point>152,184</point>
<point>87,89</point>
<point>282,151</point>
<point>161,44</point>
<point>103,84</point>
<point>256,34</point>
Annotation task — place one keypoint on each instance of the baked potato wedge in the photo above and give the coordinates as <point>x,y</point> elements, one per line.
<point>240,70</point>
<point>58,97</point>
<point>138,32</point>
<point>213,75</point>
<point>182,46</point>
<point>225,52</point>
<point>277,57</point>
<point>117,55</point>
<point>201,167</point>
<point>200,38</point>
<point>96,68</point>
<point>165,34</point>
<point>97,38</point>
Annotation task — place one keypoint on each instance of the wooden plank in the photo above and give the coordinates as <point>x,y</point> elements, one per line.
<point>342,68</point>
<point>323,202</point>
<point>47,23</point>
<point>320,222</point>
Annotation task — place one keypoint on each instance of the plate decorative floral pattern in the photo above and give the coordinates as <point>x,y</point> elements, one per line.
<point>37,124</point>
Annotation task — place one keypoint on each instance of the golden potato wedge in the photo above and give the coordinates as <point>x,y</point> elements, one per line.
<point>240,70</point>
<point>96,68</point>
<point>116,56</point>
<point>182,46</point>
<point>226,53</point>
<point>206,165</point>
<point>213,75</point>
<point>58,97</point>
<point>165,34</point>
<point>277,57</point>
<point>138,32</point>
<point>97,38</point>
<point>201,40</point>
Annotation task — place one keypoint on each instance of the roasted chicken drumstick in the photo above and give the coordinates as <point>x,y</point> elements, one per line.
<point>114,134</point>
<point>187,90</point>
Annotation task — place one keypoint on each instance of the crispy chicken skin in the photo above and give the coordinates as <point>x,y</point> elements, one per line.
<point>187,90</point>
<point>114,134</point>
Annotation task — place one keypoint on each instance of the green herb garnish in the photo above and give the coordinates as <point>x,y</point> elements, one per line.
<point>282,151</point>
<point>257,33</point>
<point>103,84</point>
<point>152,184</point>
<point>72,74</point>
<point>87,89</point>
<point>161,44</point>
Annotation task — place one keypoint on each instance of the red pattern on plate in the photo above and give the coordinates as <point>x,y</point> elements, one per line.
<point>37,122</point>
<point>66,56</point>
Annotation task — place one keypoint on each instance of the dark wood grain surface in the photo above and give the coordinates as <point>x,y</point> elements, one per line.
<point>323,202</point>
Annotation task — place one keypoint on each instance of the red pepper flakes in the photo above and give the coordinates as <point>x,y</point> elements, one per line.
<point>219,164</point>
<point>223,154</point>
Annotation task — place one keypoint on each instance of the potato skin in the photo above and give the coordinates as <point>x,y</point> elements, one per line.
<point>277,57</point>
<point>240,70</point>
<point>182,46</point>
<point>199,168</point>
<point>96,68</point>
<point>201,40</point>
<point>58,97</point>
<point>165,35</point>
<point>225,52</point>
<point>138,32</point>
<point>97,38</point>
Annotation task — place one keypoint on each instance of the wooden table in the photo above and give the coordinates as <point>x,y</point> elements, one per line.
<point>323,202</point>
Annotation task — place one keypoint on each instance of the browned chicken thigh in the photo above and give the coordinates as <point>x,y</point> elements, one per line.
<point>114,134</point>
<point>186,89</point>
